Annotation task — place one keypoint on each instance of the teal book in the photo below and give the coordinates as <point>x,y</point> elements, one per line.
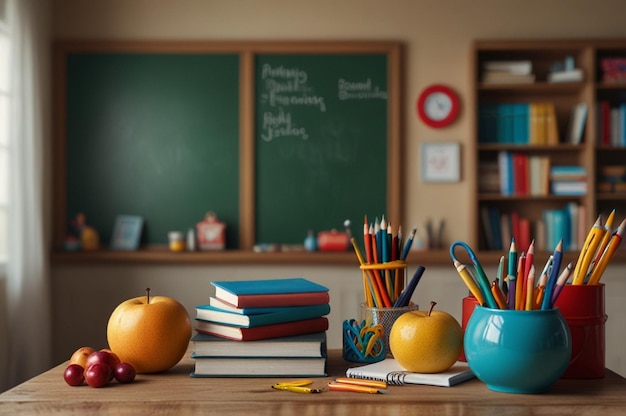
<point>289,314</point>
<point>271,292</point>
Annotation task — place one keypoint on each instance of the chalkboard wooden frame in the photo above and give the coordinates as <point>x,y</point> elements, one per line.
<point>247,51</point>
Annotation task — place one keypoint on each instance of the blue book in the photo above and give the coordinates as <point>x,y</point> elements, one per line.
<point>271,292</point>
<point>296,313</point>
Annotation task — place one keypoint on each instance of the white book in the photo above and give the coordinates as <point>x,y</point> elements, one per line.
<point>393,373</point>
<point>512,67</point>
<point>574,75</point>
<point>577,123</point>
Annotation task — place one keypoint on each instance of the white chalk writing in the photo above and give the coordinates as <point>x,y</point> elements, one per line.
<point>280,125</point>
<point>359,90</point>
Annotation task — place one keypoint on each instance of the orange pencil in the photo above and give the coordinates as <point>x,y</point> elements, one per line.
<point>498,295</point>
<point>385,301</point>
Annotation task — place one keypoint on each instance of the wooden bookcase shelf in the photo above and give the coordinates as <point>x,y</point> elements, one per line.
<point>591,153</point>
<point>161,255</point>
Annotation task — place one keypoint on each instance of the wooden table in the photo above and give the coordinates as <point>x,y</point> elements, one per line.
<point>174,393</point>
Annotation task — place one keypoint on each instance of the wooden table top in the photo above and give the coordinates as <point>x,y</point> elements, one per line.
<point>174,392</point>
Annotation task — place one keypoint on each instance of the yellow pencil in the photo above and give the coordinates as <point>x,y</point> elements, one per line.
<point>367,283</point>
<point>469,282</point>
<point>588,252</point>
<point>605,241</point>
<point>530,289</point>
<point>614,243</point>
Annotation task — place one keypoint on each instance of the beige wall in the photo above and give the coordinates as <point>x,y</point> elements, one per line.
<point>438,36</point>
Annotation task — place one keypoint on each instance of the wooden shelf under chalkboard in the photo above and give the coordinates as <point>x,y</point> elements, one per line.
<point>161,255</point>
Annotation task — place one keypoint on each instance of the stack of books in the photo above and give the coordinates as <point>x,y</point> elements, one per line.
<point>568,180</point>
<point>508,72</point>
<point>613,69</point>
<point>258,328</point>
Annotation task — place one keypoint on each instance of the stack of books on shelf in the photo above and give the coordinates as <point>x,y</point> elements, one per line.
<point>612,179</point>
<point>522,174</point>
<point>613,69</point>
<point>568,180</point>
<point>566,223</point>
<point>611,123</point>
<point>508,72</point>
<point>530,123</point>
<point>260,328</point>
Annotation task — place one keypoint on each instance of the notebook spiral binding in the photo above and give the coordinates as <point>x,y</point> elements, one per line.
<point>393,378</point>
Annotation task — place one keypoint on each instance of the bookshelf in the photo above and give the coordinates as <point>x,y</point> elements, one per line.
<point>522,117</point>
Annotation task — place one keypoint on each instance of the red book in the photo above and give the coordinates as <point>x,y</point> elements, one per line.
<point>524,233</point>
<point>520,174</point>
<point>605,122</point>
<point>286,329</point>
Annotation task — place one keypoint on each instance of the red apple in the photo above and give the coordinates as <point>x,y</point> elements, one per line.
<point>98,374</point>
<point>124,373</point>
<point>73,375</point>
<point>151,333</point>
<point>101,357</point>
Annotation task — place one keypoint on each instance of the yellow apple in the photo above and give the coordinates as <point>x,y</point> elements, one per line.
<point>80,356</point>
<point>426,341</point>
<point>150,333</point>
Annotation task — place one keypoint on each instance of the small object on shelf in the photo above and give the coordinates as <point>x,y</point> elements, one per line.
<point>333,240</point>
<point>177,242</point>
<point>191,240</point>
<point>126,232</point>
<point>573,75</point>
<point>211,233</point>
<point>89,237</point>
<point>310,242</point>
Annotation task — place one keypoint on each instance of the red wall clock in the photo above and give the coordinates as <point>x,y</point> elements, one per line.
<point>438,106</point>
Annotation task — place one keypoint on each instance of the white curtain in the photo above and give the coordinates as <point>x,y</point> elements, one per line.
<point>28,287</point>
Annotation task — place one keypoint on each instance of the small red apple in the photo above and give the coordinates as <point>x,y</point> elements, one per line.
<point>73,375</point>
<point>98,374</point>
<point>124,373</point>
<point>101,357</point>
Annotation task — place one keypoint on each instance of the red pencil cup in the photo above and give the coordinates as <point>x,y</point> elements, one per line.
<point>582,306</point>
<point>469,304</point>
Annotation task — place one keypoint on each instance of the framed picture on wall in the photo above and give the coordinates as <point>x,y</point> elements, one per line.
<point>126,232</point>
<point>440,162</point>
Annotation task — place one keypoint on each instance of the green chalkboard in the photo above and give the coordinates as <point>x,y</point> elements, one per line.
<point>321,126</point>
<point>155,135</point>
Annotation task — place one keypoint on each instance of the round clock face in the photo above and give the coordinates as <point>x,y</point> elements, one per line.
<point>438,106</point>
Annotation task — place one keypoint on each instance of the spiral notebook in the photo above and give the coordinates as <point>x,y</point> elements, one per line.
<point>393,373</point>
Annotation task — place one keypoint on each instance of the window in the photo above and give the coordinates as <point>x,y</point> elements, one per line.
<point>4,128</point>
